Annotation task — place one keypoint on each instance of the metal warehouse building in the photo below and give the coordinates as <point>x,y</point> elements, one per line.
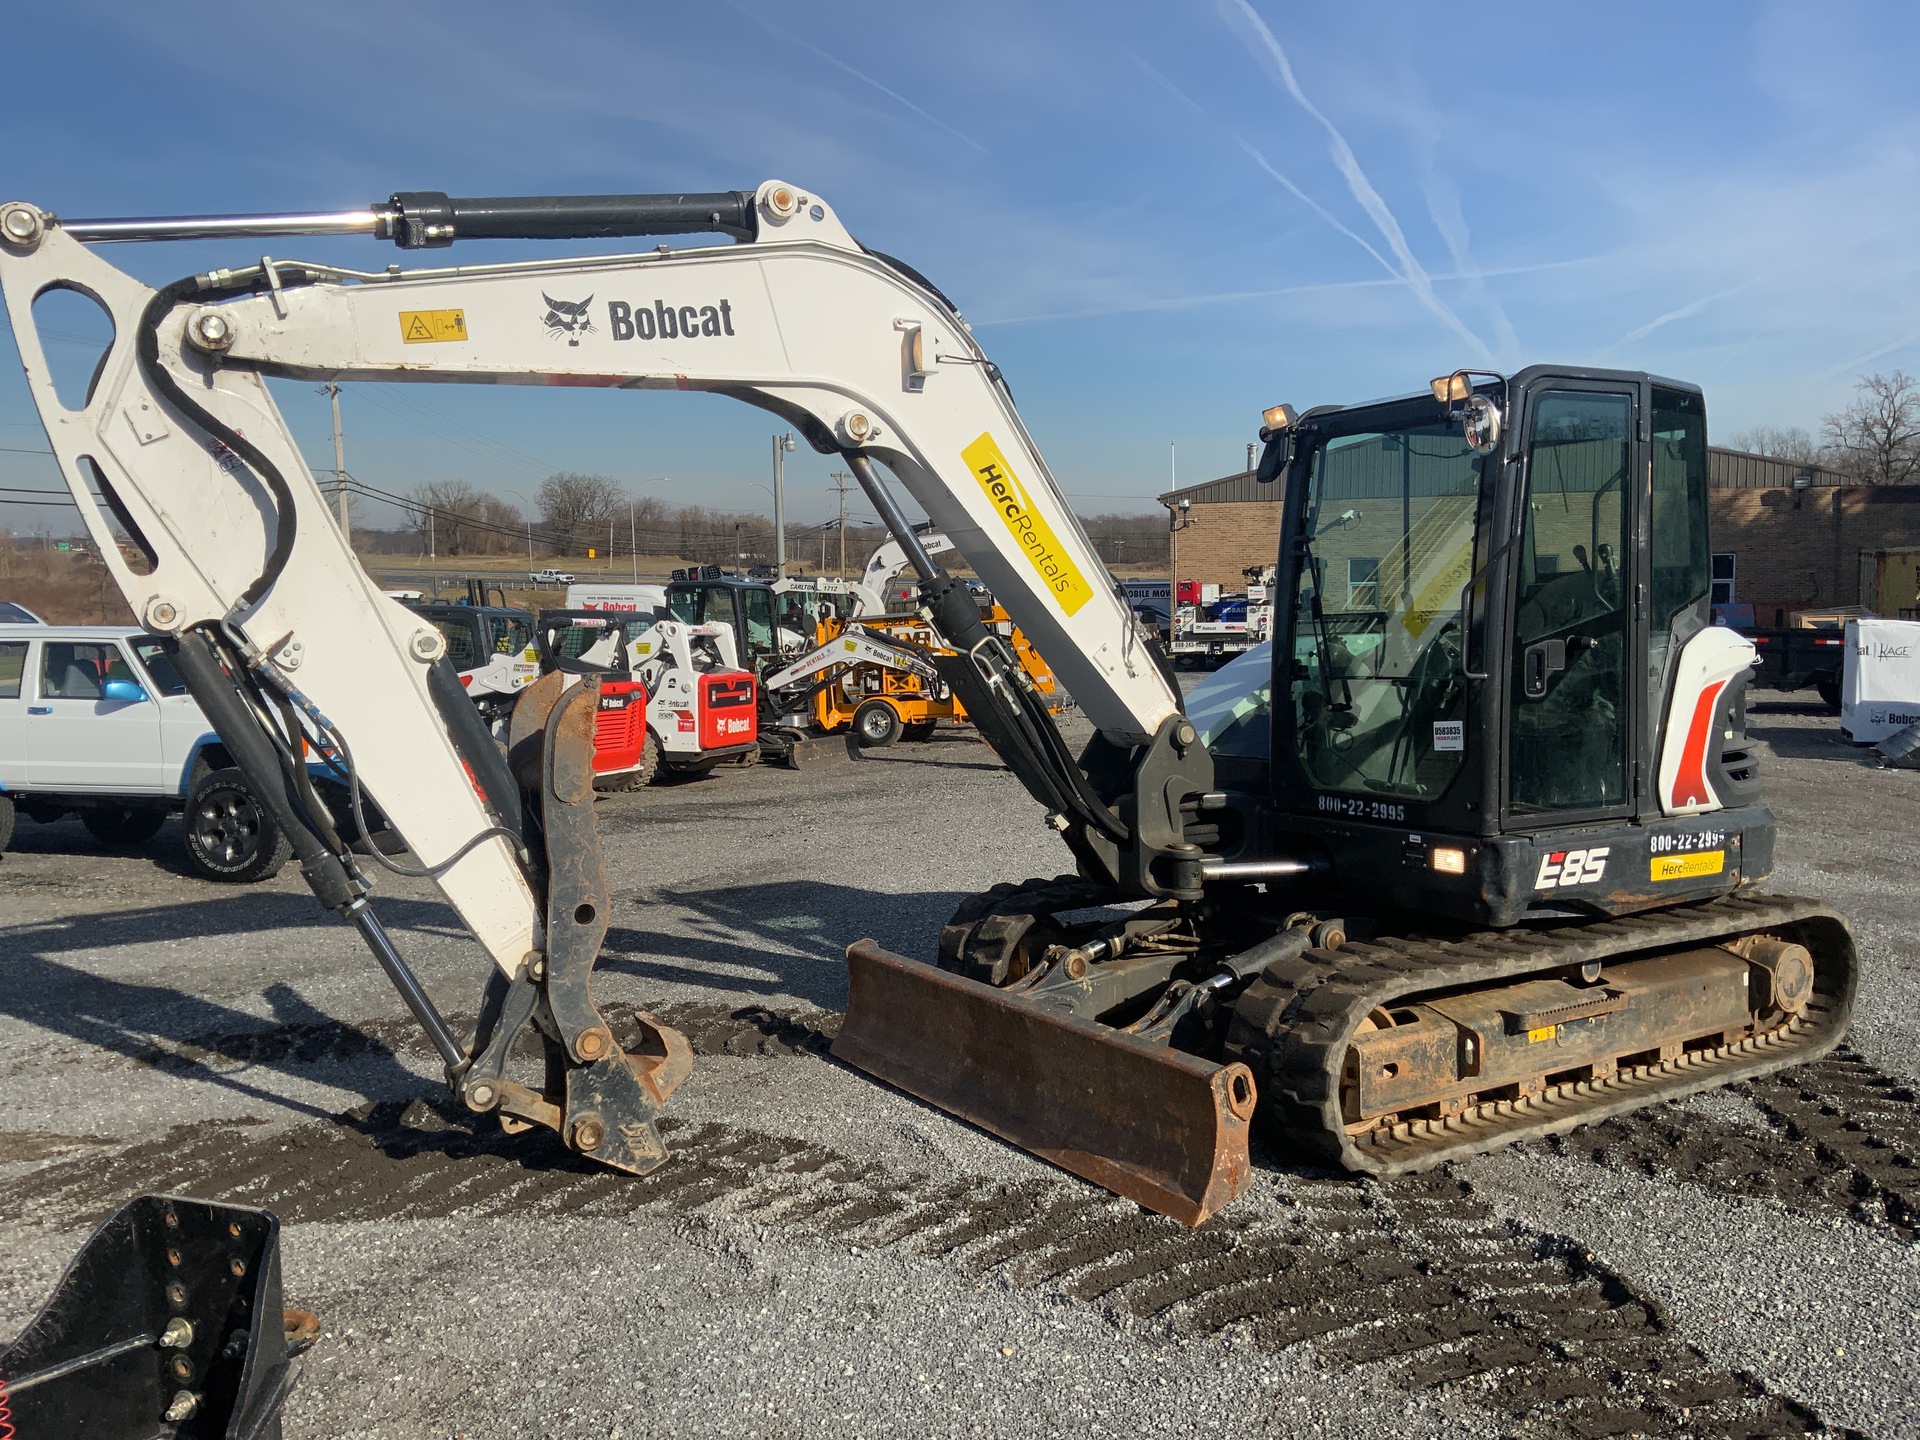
<point>1786,536</point>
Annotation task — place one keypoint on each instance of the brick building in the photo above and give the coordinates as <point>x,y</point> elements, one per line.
<point>1786,537</point>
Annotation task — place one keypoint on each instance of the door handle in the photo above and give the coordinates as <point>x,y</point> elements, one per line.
<point>39,709</point>
<point>1543,660</point>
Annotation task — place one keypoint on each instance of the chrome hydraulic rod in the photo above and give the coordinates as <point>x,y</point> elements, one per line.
<point>893,517</point>
<point>224,227</point>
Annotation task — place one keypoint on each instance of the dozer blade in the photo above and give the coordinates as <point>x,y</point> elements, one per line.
<point>1161,1127</point>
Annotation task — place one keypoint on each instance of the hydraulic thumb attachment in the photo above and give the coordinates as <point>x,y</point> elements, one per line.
<point>599,1097</point>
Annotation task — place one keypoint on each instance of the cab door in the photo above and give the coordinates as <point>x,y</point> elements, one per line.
<point>1571,687</point>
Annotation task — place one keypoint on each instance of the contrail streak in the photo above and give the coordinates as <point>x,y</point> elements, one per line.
<point>1261,160</point>
<point>1409,269</point>
<point>861,76</point>
<point>1225,297</point>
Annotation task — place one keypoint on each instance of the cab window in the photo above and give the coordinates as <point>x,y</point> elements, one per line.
<point>13,663</point>
<point>511,635</point>
<point>157,657</point>
<point>1567,725</point>
<point>460,646</point>
<point>75,670</point>
<point>759,608</point>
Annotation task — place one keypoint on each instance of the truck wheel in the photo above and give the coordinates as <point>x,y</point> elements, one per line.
<point>876,725</point>
<point>919,730</point>
<point>230,836</point>
<point>123,825</point>
<point>637,779</point>
<point>6,822</point>
<point>1829,694</point>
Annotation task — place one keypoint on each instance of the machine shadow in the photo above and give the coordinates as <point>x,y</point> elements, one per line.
<point>794,932</point>
<point>1796,742</point>
<point>188,1035</point>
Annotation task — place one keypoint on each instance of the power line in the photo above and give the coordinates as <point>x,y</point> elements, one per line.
<point>405,396</point>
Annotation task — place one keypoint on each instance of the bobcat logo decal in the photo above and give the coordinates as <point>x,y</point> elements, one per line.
<point>568,318</point>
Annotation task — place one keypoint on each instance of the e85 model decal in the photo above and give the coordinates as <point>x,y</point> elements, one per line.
<point>1572,867</point>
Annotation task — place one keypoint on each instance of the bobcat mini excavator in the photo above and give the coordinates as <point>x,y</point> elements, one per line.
<point>1472,860</point>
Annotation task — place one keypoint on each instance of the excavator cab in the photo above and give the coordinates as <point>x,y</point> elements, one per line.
<point>1481,606</point>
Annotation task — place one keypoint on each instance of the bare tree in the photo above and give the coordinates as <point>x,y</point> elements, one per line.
<point>575,508</point>
<point>454,505</point>
<point>1877,437</point>
<point>1779,442</point>
<point>506,531</point>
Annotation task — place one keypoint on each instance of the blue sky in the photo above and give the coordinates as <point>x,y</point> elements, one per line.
<point>1158,218</point>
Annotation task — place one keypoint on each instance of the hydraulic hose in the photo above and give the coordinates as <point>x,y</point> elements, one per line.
<point>147,347</point>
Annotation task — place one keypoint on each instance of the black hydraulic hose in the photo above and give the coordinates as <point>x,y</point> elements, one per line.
<point>244,734</point>
<point>147,346</point>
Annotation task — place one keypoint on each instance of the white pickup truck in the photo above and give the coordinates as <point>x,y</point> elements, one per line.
<point>95,721</point>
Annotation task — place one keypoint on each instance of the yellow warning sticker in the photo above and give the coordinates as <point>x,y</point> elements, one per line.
<point>1680,867</point>
<point>1544,1032</point>
<point>1043,548</point>
<point>853,647</point>
<point>425,327</point>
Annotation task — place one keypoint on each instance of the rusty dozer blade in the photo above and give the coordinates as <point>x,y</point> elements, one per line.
<point>1161,1127</point>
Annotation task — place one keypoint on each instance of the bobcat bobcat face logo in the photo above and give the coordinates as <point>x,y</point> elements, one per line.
<point>568,318</point>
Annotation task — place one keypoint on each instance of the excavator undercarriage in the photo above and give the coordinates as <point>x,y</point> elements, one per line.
<point>1132,1053</point>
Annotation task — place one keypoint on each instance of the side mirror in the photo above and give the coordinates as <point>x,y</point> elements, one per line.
<point>123,691</point>
<point>1480,422</point>
<point>1274,459</point>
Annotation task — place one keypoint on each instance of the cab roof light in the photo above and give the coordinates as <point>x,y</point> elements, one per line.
<point>1455,388</point>
<point>1279,417</point>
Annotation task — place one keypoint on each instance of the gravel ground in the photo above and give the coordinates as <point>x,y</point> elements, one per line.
<point>826,1256</point>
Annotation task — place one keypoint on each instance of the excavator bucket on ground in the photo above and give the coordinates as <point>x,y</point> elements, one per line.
<point>1163,1128</point>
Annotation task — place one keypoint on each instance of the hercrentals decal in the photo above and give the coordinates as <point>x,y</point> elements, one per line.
<point>1043,548</point>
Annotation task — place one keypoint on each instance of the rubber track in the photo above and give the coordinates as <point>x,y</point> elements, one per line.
<point>1311,1007</point>
<point>1416,1278</point>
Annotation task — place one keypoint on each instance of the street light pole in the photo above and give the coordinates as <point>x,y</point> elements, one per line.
<point>840,478</point>
<point>783,446</point>
<point>332,390</point>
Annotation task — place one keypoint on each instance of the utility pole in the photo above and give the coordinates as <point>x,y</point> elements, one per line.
<point>332,390</point>
<point>841,477</point>
<point>633,543</point>
<point>783,446</point>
